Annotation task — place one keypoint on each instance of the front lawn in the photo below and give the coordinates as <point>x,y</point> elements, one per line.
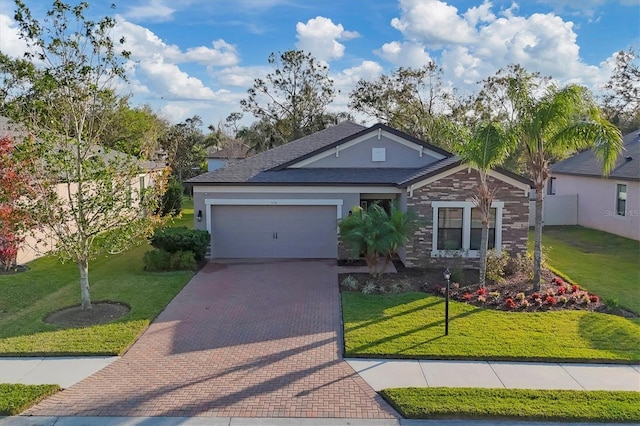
<point>28,297</point>
<point>602,263</point>
<point>15,398</point>
<point>516,404</point>
<point>411,325</point>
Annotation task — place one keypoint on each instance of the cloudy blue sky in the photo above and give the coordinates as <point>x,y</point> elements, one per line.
<point>200,56</point>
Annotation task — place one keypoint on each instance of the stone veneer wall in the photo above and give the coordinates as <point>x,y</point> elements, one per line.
<point>460,187</point>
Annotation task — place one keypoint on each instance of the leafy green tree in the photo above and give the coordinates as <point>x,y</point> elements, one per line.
<point>289,100</point>
<point>413,100</point>
<point>548,123</point>
<point>487,148</point>
<point>621,103</point>
<point>376,234</point>
<point>185,145</point>
<point>90,200</point>
<point>135,131</point>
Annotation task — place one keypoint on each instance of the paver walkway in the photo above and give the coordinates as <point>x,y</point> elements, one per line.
<point>240,340</point>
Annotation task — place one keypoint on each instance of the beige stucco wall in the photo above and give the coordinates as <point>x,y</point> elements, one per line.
<point>597,203</point>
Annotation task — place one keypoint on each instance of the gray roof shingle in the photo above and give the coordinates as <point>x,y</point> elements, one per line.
<point>310,176</point>
<point>586,164</point>
<point>244,170</point>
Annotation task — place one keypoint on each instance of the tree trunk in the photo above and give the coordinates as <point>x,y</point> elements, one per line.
<point>537,245</point>
<point>484,245</point>
<point>85,297</point>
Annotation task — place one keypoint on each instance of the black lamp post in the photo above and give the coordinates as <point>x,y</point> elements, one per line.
<point>447,276</point>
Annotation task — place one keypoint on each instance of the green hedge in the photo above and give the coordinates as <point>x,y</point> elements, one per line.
<point>173,240</point>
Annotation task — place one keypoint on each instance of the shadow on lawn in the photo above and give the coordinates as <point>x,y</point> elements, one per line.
<point>379,316</point>
<point>362,350</point>
<point>610,333</point>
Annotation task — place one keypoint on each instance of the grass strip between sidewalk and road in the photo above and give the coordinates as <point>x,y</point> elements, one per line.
<point>411,325</point>
<point>15,398</point>
<point>515,404</point>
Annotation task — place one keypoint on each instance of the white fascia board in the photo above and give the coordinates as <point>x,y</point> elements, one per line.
<point>295,189</point>
<point>334,151</point>
<point>492,173</point>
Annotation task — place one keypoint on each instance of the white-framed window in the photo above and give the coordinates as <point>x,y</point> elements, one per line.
<point>621,199</point>
<point>457,228</point>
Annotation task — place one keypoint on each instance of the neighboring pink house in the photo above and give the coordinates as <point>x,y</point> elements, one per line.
<point>610,204</point>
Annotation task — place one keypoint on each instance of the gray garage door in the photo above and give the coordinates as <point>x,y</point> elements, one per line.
<point>274,232</point>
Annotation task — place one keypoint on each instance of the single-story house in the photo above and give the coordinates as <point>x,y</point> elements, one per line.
<point>610,204</point>
<point>286,202</point>
<point>221,156</point>
<point>39,243</point>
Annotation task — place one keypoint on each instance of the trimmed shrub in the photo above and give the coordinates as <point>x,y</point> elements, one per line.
<point>157,260</point>
<point>178,239</point>
<point>183,261</point>
<point>171,202</point>
<point>162,261</point>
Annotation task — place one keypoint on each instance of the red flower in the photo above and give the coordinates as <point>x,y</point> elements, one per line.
<point>594,299</point>
<point>467,296</point>
<point>559,281</point>
<point>561,290</point>
<point>535,296</point>
<point>574,288</point>
<point>510,303</point>
<point>481,291</point>
<point>550,300</point>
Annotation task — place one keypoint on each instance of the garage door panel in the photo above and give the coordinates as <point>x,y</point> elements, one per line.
<point>274,232</point>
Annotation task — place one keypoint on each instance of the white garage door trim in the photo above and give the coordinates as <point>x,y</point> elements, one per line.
<point>270,202</point>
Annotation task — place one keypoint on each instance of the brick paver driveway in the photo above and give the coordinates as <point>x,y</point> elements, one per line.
<point>240,340</point>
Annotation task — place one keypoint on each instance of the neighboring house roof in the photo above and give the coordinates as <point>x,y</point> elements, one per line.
<point>270,167</point>
<point>586,164</point>
<point>9,127</point>
<point>235,149</point>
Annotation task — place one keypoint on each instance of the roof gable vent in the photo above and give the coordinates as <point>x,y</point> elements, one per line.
<point>378,154</point>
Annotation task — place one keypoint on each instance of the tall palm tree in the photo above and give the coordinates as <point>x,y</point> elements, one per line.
<point>487,148</point>
<point>559,123</point>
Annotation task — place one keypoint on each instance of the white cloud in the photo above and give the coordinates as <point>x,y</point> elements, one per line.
<point>320,37</point>
<point>433,22</point>
<point>222,54</point>
<point>405,54</point>
<point>154,10</point>
<point>10,43</point>
<point>143,44</point>
<point>475,43</point>
<point>169,82</point>
<point>240,76</point>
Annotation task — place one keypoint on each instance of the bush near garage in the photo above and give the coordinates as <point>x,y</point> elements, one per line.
<point>173,240</point>
<point>161,261</point>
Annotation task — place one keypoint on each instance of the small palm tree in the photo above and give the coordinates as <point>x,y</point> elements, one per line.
<point>376,234</point>
<point>487,148</point>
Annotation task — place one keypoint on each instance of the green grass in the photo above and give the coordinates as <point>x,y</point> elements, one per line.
<point>516,404</point>
<point>602,263</point>
<point>48,286</point>
<point>411,325</point>
<point>15,398</point>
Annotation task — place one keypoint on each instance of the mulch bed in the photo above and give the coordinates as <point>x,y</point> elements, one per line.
<point>100,313</point>
<point>515,293</point>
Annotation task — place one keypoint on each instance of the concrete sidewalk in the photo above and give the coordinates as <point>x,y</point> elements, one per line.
<point>381,373</point>
<point>63,371</point>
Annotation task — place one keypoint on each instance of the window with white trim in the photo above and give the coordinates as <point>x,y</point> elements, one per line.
<point>476,229</point>
<point>450,228</point>
<point>621,199</point>
<point>458,227</point>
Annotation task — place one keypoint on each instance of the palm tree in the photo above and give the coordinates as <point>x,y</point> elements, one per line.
<point>553,126</point>
<point>487,148</point>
